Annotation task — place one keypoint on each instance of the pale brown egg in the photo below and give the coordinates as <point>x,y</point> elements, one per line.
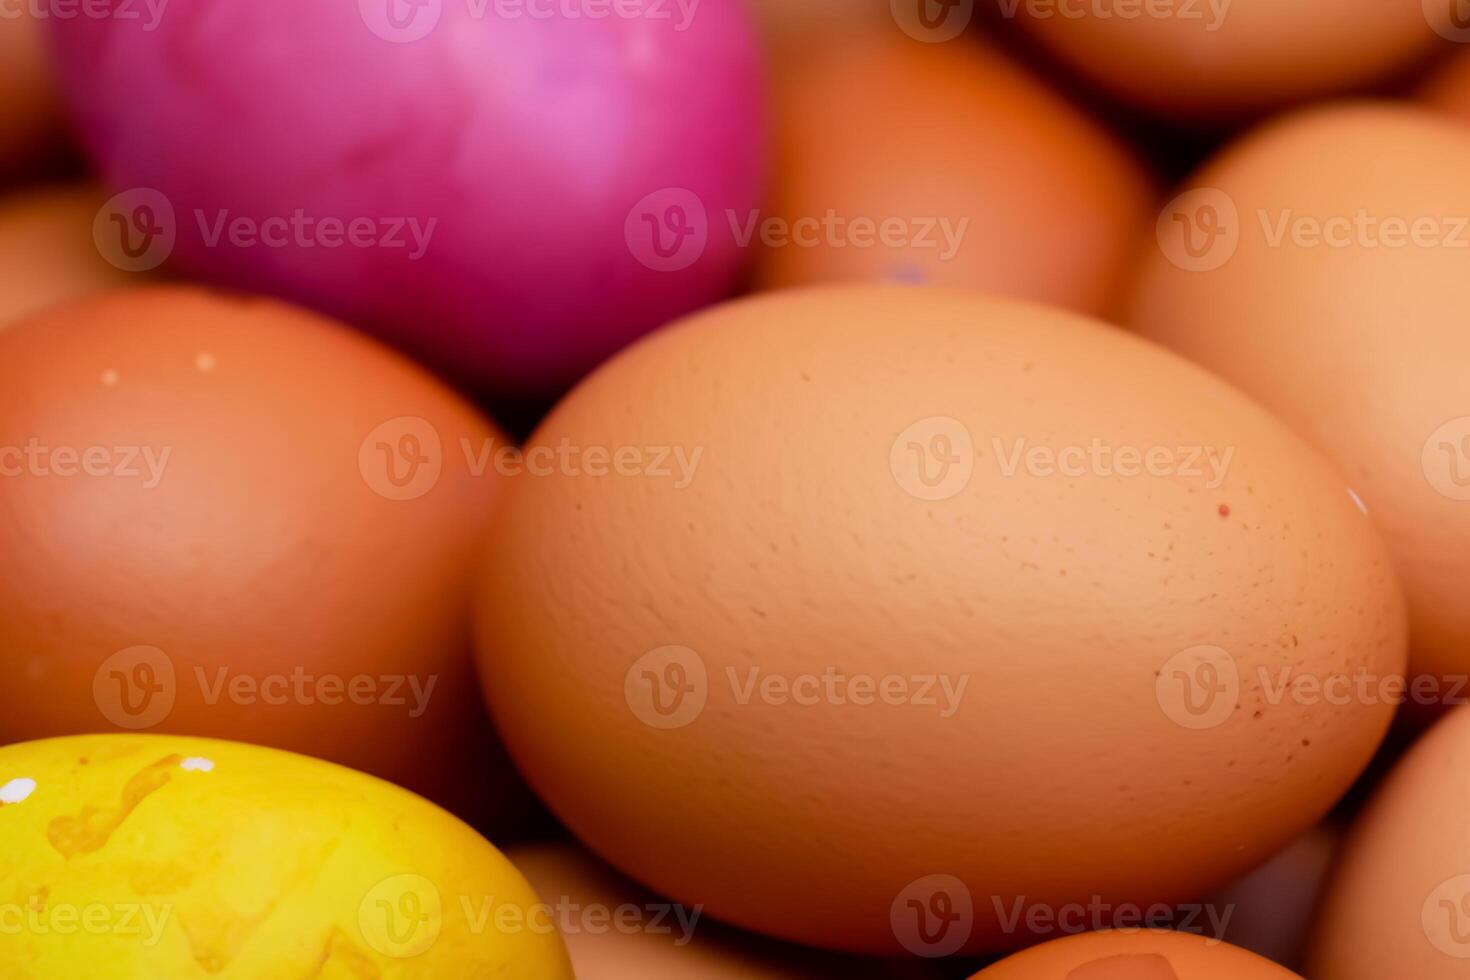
<point>1398,904</point>
<point>861,603</point>
<point>1323,265</point>
<point>30,108</point>
<point>1198,59</point>
<point>226,516</point>
<point>944,164</point>
<point>47,251</point>
<point>1148,955</point>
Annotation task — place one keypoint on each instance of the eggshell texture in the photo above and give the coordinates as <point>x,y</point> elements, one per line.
<point>163,856</point>
<point>1222,57</point>
<point>30,109</point>
<point>518,174</point>
<point>856,592</point>
<point>1397,903</point>
<point>1334,291</point>
<point>1449,88</point>
<point>201,536</point>
<point>1147,955</point>
<point>946,164</point>
<point>47,254</point>
<point>614,930</point>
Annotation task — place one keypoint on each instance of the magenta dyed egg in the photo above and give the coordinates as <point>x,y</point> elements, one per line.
<point>509,189</point>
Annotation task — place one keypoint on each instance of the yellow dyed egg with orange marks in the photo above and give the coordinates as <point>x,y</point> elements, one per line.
<point>126,856</point>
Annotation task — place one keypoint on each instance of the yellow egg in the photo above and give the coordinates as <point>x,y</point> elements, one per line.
<point>134,856</point>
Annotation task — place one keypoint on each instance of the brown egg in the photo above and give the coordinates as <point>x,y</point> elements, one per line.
<point>1449,88</point>
<point>1204,58</point>
<point>790,28</point>
<point>614,930</point>
<point>1147,955</point>
<point>1323,264</point>
<point>883,593</point>
<point>47,253</point>
<point>30,109</point>
<point>944,164</point>
<point>1268,910</point>
<point>1398,904</point>
<point>225,516</point>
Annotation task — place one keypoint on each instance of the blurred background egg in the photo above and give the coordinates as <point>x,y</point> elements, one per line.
<point>1211,59</point>
<point>1398,904</point>
<point>47,251</point>
<point>30,110</point>
<point>1449,87</point>
<point>162,856</point>
<point>1269,909</point>
<point>225,516</point>
<point>945,164</point>
<point>866,546</point>
<point>508,194</point>
<point>790,28</point>
<point>1321,263</point>
<point>1149,955</point>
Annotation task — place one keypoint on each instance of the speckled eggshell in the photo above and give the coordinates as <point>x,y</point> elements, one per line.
<point>1218,58</point>
<point>1348,327</point>
<point>237,527</point>
<point>47,252</point>
<point>1012,648</point>
<point>946,164</point>
<point>1146,955</point>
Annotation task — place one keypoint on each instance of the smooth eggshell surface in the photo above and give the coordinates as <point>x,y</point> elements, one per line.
<point>47,252</point>
<point>946,164</point>
<point>509,191</point>
<point>1323,265</point>
<point>1216,58</point>
<point>164,856</point>
<point>1144,955</point>
<point>1398,904</point>
<point>862,546</point>
<point>225,516</point>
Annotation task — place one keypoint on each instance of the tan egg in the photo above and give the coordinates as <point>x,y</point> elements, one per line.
<point>1449,88</point>
<point>30,109</point>
<point>1398,904</point>
<point>1145,955</point>
<point>47,253</point>
<point>1204,58</point>
<point>1323,265</point>
<point>1268,910</point>
<point>944,164</point>
<point>226,516</point>
<point>615,930</point>
<point>883,593</point>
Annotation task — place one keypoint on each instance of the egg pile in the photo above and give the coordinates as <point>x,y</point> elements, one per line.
<point>724,489</point>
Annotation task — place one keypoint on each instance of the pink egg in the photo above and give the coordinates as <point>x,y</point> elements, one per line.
<point>510,189</point>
